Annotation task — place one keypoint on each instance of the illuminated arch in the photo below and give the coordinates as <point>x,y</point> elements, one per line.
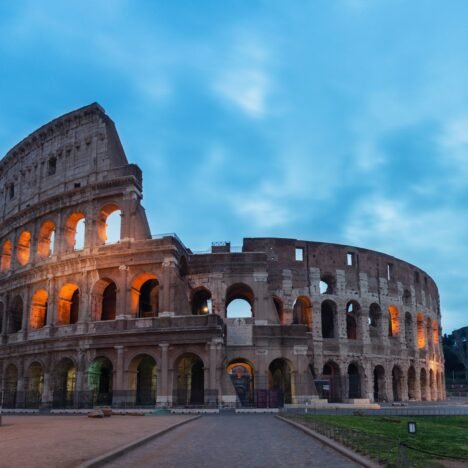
<point>45,244</point>
<point>74,231</point>
<point>201,302</point>
<point>302,311</point>
<point>108,211</point>
<point>144,295</point>
<point>104,300</point>
<point>68,304</point>
<point>23,248</point>
<point>420,331</point>
<point>6,256</point>
<point>38,310</point>
<point>394,321</point>
<point>239,301</point>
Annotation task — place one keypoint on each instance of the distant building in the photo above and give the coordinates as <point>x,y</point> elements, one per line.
<point>145,321</point>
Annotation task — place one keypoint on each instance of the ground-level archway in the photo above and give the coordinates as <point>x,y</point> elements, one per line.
<point>100,373</point>
<point>241,373</point>
<point>190,382</point>
<point>331,372</point>
<point>63,393</point>
<point>411,383</point>
<point>354,382</point>
<point>280,383</point>
<point>379,384</point>
<point>10,388</point>
<point>143,379</point>
<point>34,385</point>
<point>397,383</point>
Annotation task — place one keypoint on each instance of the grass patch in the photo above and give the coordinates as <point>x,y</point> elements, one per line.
<point>444,435</point>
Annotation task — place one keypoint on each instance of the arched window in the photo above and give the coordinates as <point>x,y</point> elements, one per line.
<point>406,298</point>
<point>302,311</point>
<point>420,331</point>
<point>352,311</point>
<point>393,321</point>
<point>45,246</point>
<point>435,333</point>
<point>15,322</point>
<point>327,284</point>
<point>375,318</point>
<point>144,296</point>
<point>201,302</point>
<point>6,256</point>
<point>38,313</point>
<point>68,304</point>
<point>23,248</point>
<point>75,231</point>
<point>109,302</point>
<point>328,319</point>
<point>109,224</point>
<point>239,301</point>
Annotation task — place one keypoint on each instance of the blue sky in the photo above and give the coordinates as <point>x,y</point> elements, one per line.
<point>337,120</point>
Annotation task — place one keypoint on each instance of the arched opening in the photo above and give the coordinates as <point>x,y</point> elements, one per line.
<point>279,307</point>
<point>241,373</point>
<point>379,384</point>
<point>75,231</point>
<point>143,378</point>
<point>11,384</point>
<point>432,385</point>
<point>6,256</point>
<point>104,304</point>
<point>302,311</point>
<point>423,383</point>
<point>328,319</point>
<point>331,372</point>
<point>23,248</point>
<point>15,322</point>
<point>189,380</point>
<point>375,317</point>
<point>45,244</point>
<point>201,302</point>
<point>144,296</point>
<point>100,381</point>
<point>38,312</point>
<point>429,332</point>
<point>354,382</point>
<point>393,321</point>
<point>64,384</point>
<point>352,312</point>
<point>239,301</point>
<point>420,331</point>
<point>327,284</point>
<point>34,385</point>
<point>397,383</point>
<point>435,333</point>
<point>280,383</point>
<point>109,224</point>
<point>411,383</point>
<point>68,304</point>
<point>409,331</point>
<point>406,298</point>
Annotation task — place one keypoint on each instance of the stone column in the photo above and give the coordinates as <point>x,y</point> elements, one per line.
<point>163,398</point>
<point>46,401</point>
<point>20,386</point>
<point>118,388</point>
<point>123,310</point>
<point>168,278</point>
<point>52,301</point>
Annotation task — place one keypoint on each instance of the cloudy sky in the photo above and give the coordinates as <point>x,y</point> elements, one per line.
<point>335,120</point>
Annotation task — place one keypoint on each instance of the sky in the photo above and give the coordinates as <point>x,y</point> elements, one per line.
<point>331,120</point>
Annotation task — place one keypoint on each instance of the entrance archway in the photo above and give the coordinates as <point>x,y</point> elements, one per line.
<point>100,381</point>
<point>11,384</point>
<point>64,384</point>
<point>241,373</point>
<point>34,385</point>
<point>354,382</point>
<point>411,383</point>
<point>331,372</point>
<point>189,380</point>
<point>379,384</point>
<point>143,378</point>
<point>397,383</point>
<point>280,383</point>
<point>423,383</point>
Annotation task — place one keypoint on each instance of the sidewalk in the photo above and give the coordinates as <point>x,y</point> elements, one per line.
<point>67,441</point>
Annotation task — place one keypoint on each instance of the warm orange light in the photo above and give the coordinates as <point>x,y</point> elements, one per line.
<point>420,331</point>
<point>104,213</point>
<point>70,228</point>
<point>65,303</point>
<point>435,332</point>
<point>38,313</point>
<point>23,248</point>
<point>45,237</point>
<point>135,291</point>
<point>395,320</point>
<point>6,256</point>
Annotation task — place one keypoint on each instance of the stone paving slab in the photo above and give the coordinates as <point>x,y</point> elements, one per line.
<point>68,441</point>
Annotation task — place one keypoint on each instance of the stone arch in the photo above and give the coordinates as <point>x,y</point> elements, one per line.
<point>241,372</point>
<point>46,240</point>
<point>281,384</point>
<point>143,379</point>
<point>327,284</point>
<point>7,250</point>
<point>38,310</point>
<point>380,393</point>
<point>279,307</point>
<point>34,385</point>
<point>64,383</point>
<point>420,331</point>
<point>74,230</point>
<point>435,333</point>
<point>104,219</point>
<point>423,384</point>
<point>104,300</point>
<point>10,386</point>
<point>411,383</point>
<point>355,381</point>
<point>68,304</point>
<point>397,383</point>
<point>375,320</point>
<point>394,321</point>
<point>23,248</point>
<point>302,311</point>
<point>352,314</point>
<point>189,382</point>
<point>15,319</point>
<point>100,376</point>
<point>144,295</point>
<point>239,301</point>
<point>201,301</point>
<point>409,339</point>
<point>331,372</point>
<point>328,314</point>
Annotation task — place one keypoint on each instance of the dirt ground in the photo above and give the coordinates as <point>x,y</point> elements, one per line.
<point>67,441</point>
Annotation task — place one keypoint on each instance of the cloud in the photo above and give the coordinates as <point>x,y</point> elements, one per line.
<point>262,213</point>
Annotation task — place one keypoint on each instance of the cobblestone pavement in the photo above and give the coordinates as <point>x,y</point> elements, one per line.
<point>234,441</point>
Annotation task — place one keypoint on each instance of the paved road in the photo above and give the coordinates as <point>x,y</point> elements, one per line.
<point>240,441</point>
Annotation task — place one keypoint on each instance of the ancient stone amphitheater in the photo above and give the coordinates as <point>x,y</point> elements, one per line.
<point>145,321</point>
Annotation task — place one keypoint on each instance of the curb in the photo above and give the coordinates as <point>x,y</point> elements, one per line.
<point>334,445</point>
<point>113,454</point>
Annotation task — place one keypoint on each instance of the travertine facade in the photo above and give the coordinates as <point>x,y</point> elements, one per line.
<point>145,321</point>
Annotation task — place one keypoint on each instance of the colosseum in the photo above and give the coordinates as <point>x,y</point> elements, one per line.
<point>142,321</point>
